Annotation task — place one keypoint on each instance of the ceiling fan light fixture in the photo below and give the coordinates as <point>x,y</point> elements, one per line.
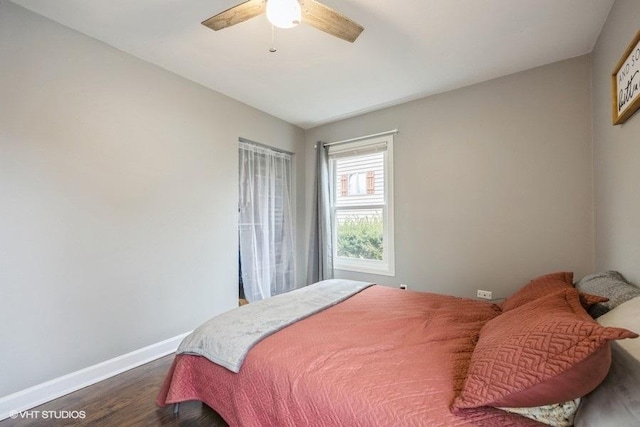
<point>284,13</point>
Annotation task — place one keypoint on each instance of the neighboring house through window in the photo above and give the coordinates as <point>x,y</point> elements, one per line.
<point>357,183</point>
<point>362,205</point>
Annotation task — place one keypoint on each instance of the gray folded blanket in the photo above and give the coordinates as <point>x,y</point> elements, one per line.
<point>227,338</point>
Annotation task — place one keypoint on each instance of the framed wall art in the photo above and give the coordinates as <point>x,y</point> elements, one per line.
<point>625,81</point>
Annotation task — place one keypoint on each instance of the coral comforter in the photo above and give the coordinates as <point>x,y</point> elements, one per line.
<point>384,357</point>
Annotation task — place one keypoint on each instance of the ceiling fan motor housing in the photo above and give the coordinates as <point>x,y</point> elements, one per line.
<point>284,13</point>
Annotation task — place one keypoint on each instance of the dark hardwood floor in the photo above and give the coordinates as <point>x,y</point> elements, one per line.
<point>127,399</point>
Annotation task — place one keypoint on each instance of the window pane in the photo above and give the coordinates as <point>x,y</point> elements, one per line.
<point>359,233</point>
<point>356,184</point>
<point>359,180</point>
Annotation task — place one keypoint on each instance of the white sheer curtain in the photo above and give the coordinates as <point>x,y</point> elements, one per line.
<point>265,228</point>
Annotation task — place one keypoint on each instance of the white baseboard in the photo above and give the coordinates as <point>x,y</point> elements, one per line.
<point>37,395</point>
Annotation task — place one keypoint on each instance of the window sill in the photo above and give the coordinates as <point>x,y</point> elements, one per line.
<point>380,271</point>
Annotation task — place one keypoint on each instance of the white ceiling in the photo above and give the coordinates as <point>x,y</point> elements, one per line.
<point>409,48</point>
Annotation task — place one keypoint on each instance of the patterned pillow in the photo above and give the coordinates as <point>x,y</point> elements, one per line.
<point>547,351</point>
<point>537,288</point>
<point>556,415</point>
<point>609,284</point>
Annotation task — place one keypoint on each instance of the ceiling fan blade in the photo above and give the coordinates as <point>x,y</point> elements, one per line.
<point>236,14</point>
<point>328,20</point>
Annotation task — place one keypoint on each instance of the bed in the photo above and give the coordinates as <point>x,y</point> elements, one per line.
<point>384,356</point>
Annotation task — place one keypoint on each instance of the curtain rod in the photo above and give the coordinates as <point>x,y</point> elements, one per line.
<point>360,138</point>
<point>268,147</point>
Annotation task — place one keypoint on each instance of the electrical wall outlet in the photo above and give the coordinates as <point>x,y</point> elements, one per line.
<point>403,286</point>
<point>485,294</point>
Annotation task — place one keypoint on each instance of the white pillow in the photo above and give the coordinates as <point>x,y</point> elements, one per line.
<point>626,315</point>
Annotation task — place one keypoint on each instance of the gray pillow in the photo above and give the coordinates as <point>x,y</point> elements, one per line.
<point>616,402</point>
<point>609,284</point>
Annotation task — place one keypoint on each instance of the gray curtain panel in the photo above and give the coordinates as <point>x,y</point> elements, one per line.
<point>321,247</point>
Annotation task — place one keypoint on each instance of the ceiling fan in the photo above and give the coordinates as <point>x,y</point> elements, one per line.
<point>288,14</point>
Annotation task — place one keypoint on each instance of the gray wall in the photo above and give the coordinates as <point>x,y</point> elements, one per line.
<point>118,190</point>
<point>493,182</point>
<point>616,152</point>
<point>118,200</point>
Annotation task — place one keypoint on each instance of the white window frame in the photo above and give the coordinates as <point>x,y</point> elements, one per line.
<point>386,266</point>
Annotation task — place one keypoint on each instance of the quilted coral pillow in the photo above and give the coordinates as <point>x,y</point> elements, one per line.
<point>547,351</point>
<point>588,300</point>
<point>538,288</point>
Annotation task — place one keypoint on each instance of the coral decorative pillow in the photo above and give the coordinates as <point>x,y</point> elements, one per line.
<point>547,351</point>
<point>537,288</point>
<point>588,300</point>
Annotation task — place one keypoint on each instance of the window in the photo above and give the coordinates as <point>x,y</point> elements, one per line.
<point>362,205</point>
<point>357,183</point>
